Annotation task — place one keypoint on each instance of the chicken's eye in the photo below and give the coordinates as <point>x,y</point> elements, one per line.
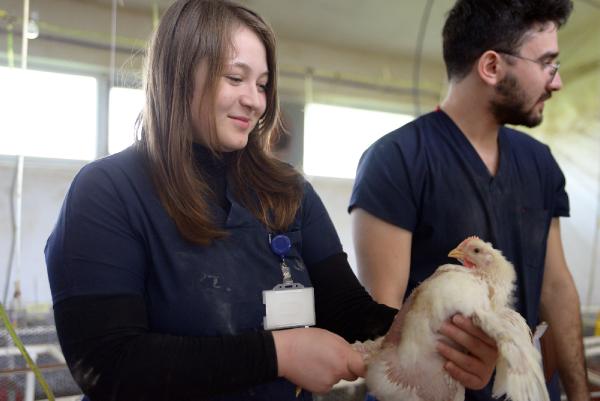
<point>476,250</point>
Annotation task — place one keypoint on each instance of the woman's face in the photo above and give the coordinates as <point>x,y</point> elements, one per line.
<point>241,93</point>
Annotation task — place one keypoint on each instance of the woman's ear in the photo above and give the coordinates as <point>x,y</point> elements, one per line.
<point>491,67</point>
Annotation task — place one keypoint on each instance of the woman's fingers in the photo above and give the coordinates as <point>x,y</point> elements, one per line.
<point>316,359</point>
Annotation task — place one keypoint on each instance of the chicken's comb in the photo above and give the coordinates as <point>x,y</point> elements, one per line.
<point>467,240</point>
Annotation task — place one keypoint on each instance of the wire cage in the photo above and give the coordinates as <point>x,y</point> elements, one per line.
<point>17,381</point>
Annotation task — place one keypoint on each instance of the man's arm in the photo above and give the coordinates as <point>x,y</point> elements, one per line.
<point>383,257</point>
<point>559,306</point>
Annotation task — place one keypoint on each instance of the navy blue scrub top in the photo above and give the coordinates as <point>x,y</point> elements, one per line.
<point>113,236</point>
<point>427,178</point>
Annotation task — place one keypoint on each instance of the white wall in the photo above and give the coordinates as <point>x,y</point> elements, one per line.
<point>335,193</point>
<point>45,184</point>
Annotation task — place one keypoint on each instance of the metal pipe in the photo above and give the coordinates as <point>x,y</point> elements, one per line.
<point>113,42</point>
<point>418,55</point>
<point>14,262</point>
<point>25,40</point>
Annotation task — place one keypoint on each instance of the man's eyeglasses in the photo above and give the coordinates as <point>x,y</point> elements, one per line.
<point>551,67</point>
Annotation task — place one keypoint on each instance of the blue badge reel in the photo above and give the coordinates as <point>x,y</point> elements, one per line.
<point>288,304</point>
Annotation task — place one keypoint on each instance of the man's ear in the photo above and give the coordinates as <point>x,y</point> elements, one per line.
<point>491,68</point>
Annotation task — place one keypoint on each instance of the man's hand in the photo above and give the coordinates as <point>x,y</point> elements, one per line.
<point>473,360</point>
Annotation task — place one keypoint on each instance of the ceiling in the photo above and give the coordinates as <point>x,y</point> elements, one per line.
<point>352,50</point>
<point>378,26</point>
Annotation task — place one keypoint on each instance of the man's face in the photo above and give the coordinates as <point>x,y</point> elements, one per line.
<point>530,80</point>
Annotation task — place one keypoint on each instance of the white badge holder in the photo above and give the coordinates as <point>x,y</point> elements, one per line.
<point>289,306</point>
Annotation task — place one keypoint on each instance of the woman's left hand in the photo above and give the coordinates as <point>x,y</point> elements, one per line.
<point>474,364</point>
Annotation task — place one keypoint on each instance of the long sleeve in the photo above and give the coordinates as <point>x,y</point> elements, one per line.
<point>113,355</point>
<point>343,305</point>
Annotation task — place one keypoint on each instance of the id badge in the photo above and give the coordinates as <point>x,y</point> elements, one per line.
<point>289,306</point>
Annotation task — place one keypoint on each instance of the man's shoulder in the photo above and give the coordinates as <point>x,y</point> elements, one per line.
<point>415,127</point>
<point>525,143</point>
<point>514,135</point>
<point>408,135</point>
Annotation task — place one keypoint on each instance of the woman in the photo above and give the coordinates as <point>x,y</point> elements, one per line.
<point>162,252</point>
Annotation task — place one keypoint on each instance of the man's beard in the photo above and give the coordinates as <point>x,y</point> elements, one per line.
<point>509,106</point>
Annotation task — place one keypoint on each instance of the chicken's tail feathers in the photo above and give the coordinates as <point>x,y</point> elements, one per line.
<point>518,370</point>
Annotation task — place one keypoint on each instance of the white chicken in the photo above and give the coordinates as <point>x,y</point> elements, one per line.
<point>410,368</point>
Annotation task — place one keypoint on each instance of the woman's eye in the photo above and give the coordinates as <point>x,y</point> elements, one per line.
<point>263,87</point>
<point>234,79</point>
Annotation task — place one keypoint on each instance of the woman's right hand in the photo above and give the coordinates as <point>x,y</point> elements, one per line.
<point>316,359</point>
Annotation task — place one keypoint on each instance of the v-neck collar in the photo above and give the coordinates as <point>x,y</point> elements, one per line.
<point>469,153</point>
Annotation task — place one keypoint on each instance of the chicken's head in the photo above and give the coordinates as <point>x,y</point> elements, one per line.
<point>489,263</point>
<point>474,253</point>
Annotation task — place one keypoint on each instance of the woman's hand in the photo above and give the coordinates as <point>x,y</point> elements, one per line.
<point>316,359</point>
<point>474,364</point>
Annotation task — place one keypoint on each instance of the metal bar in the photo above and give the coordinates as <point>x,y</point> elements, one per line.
<point>29,386</point>
<point>45,368</point>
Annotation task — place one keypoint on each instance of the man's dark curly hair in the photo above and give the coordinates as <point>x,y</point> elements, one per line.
<point>475,26</point>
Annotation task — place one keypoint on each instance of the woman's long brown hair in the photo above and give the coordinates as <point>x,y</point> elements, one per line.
<point>191,32</point>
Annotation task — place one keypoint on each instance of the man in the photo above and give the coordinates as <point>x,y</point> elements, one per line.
<point>459,171</point>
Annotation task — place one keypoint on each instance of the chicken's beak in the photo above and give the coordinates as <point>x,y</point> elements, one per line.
<point>457,253</point>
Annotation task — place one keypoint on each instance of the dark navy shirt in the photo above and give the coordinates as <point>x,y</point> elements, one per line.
<point>427,178</point>
<point>113,236</point>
